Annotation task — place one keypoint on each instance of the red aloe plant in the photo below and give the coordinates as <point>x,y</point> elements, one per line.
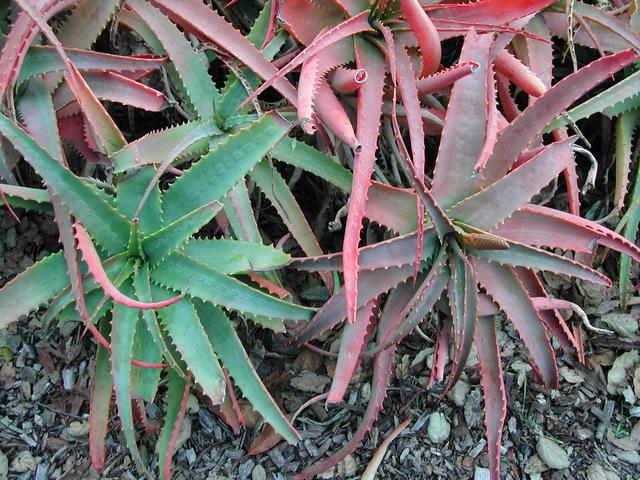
<point>483,241</point>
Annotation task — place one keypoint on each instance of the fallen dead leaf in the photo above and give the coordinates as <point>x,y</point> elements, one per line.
<point>571,375</point>
<point>623,324</point>
<point>310,382</point>
<point>264,442</point>
<point>630,442</point>
<point>617,376</point>
<point>552,454</point>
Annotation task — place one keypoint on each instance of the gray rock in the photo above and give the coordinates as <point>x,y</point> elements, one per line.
<point>438,428</point>
<point>258,473</point>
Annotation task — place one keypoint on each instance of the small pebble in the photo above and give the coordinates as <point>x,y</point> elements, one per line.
<point>78,429</point>
<point>258,473</point>
<point>4,466</point>
<point>458,393</point>
<point>481,474</point>
<point>438,428</point>
<point>23,462</point>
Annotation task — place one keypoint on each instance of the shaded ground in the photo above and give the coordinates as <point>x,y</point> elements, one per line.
<point>45,389</point>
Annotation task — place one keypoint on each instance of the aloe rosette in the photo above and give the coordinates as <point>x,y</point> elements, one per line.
<point>481,247</point>
<point>133,269</point>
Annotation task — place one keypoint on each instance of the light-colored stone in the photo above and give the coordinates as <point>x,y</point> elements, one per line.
<point>348,467</point>
<point>552,454</point>
<point>481,473</point>
<point>458,393</point>
<point>438,428</point>
<point>258,473</point>
<point>78,429</point>
<point>23,462</point>
<point>4,466</point>
<point>535,465</point>
<point>193,406</point>
<point>623,324</point>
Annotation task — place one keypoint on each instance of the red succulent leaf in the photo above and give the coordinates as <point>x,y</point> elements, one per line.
<point>368,124</point>
<point>495,398</point>
<point>465,128</point>
<point>426,35</point>
<point>558,98</point>
<point>356,24</point>
<point>505,288</point>
<point>552,319</point>
<point>440,355</point>
<point>352,342</point>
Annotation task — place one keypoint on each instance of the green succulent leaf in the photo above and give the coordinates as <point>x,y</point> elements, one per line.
<point>226,343</point>
<point>177,394</point>
<point>34,199</point>
<point>101,392</point>
<point>131,190</point>
<point>166,240</point>
<point>234,256</point>
<point>299,154</point>
<point>183,325</point>
<point>34,287</point>
<point>181,140</point>
<point>144,381</point>
<point>142,285</point>
<point>277,191</point>
<point>217,172</point>
<point>190,65</point>
<point>122,339</point>
<point>179,271</point>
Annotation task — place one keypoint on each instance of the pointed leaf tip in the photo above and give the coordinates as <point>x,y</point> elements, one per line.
<point>92,259</point>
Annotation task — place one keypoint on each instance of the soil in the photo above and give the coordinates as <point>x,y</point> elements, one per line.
<point>592,421</point>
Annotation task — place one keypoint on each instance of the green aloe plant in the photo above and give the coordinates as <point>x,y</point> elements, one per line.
<point>155,295</point>
<point>136,264</point>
